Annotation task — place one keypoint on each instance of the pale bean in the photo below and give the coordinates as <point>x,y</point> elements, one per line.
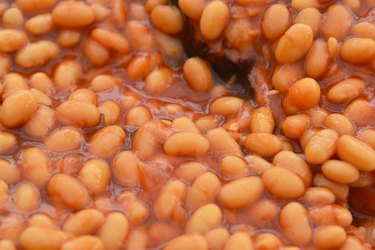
<point>72,14</point>
<point>214,19</point>
<point>341,191</point>
<point>317,60</point>
<point>111,39</point>
<point>239,241</point>
<point>305,93</point>
<point>192,8</point>
<point>257,164</point>
<point>364,30</point>
<point>340,123</point>
<point>86,242</point>
<point>69,38</point>
<point>197,74</point>
<point>167,19</point>
<point>189,170</point>
<point>283,183</point>
<point>216,238</point>
<point>78,113</point>
<point>295,126</point>
<point>363,157</point>
<point>337,22</point>
<point>200,193</point>
<point>64,139</point>
<point>34,5</point>
<point>40,24</point>
<point>103,83</point>
<point>275,21</point>
<point>159,80</point>
<point>368,137</point>
<point>294,44</point>
<point>8,142</point>
<point>285,75</point>
<point>42,238</point>
<point>106,141</point>
<point>67,190</point>
<point>138,116</point>
<point>318,196</point>
<point>186,144</point>
<point>9,172</point>
<point>233,167</point>
<point>294,223</point>
<point>226,106</point>
<point>114,231</point>
<point>125,169</point>
<point>42,82</point>
<point>345,90</point>
<point>360,112</point>
<point>86,221</point>
<point>204,219</point>
<point>358,50</point>
<point>243,43</point>
<point>340,171</point>
<point>18,109</point>
<point>321,147</point>
<point>139,66</point>
<point>95,175</point>
<point>311,17</point>
<point>4,194</point>
<point>263,144</point>
<point>241,192</point>
<point>13,17</point>
<point>35,166</point>
<point>262,121</point>
<point>263,211</point>
<point>67,74</point>
<point>11,40</point>
<point>27,197</point>
<point>37,53</point>
<point>329,237</point>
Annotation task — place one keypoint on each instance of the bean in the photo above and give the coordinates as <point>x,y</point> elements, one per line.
<point>111,39</point>
<point>318,196</point>
<point>35,166</point>
<point>27,197</point>
<point>40,24</point>
<point>119,11</point>
<point>78,113</point>
<point>84,95</point>
<point>340,171</point>
<point>86,221</point>
<point>69,38</point>
<point>106,141</point>
<point>186,144</point>
<point>283,183</point>
<point>4,194</point>
<point>208,122</point>
<point>360,112</point>
<point>204,219</point>
<point>257,164</point>
<point>138,116</point>
<point>64,139</point>
<point>151,4</point>
<point>338,21</point>
<point>311,17</point>
<point>96,53</point>
<point>13,18</point>
<point>41,220</point>
<point>41,97</point>
<point>295,126</point>
<point>141,37</point>
<point>363,157</point>
<point>139,66</point>
<point>125,169</point>
<point>184,124</point>
<point>86,242</point>
<point>340,123</point>
<point>9,172</point>
<point>134,208</point>
<point>11,40</point>
<point>8,142</point>
<point>42,238</point>
<point>114,231</point>
<point>167,19</point>
<point>13,83</point>
<point>145,142</point>
<point>95,175</point>
<point>187,241</point>
<point>244,42</point>
<point>18,108</point>
<point>233,167</point>
<point>294,223</point>
<point>364,30</point>
<point>222,142</point>
<point>321,146</point>
<point>330,237</point>
<point>352,243</point>
<point>72,14</point>
<point>263,211</point>
<point>263,144</point>
<point>34,5</point>
<point>358,50</point>
<point>42,82</point>
<point>214,19</point>
<point>7,245</point>
<point>138,239</point>
<point>161,232</point>
<point>317,60</point>
<point>192,8</point>
<point>262,121</point>
<point>67,74</point>
<point>200,193</point>
<point>37,53</point>
<point>368,137</point>
<point>341,191</point>
<point>101,12</point>
<point>67,190</point>
<point>216,238</point>
<point>189,170</point>
<point>159,80</point>
<point>302,4</point>
<point>197,74</point>
<point>284,76</point>
<point>275,21</point>
<point>241,192</point>
<point>226,106</point>
<point>103,83</point>
<point>305,93</point>
<point>294,44</point>
<point>240,241</point>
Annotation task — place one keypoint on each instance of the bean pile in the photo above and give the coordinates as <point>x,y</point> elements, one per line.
<point>112,138</point>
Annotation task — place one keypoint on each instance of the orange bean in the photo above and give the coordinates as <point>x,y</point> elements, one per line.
<point>330,237</point>
<point>305,93</point>
<point>317,60</point>
<point>37,53</point>
<point>186,144</point>
<point>311,17</point>
<point>95,175</point>
<point>8,142</point>
<point>95,52</point>
<point>125,169</point>
<point>340,123</point>
<point>358,50</point>
<point>106,141</point>
<point>138,116</point>
<point>41,238</point>
<point>139,66</point>
<point>285,75</point>
<point>69,38</point>
<point>9,172</point>
<point>263,144</point>
<point>262,121</point>
<point>111,39</point>
<point>340,171</point>
<point>187,241</point>
<point>239,240</point>
<point>321,147</point>
<point>34,5</point>
<point>114,231</point>
<point>295,126</point>
<point>192,8</point>
<point>64,139</point>
<point>67,74</point>
<point>72,14</point>
<point>167,19</point>
<point>275,21</point>
<point>40,24</point>
<point>197,74</point>
<point>78,113</point>
<point>11,40</point>
<point>27,197</point>
<point>345,90</point>
<point>35,166</point>
<point>86,221</point>
<point>204,219</point>
<point>214,19</point>
<point>86,242</point>
<point>159,80</point>
<point>337,22</point>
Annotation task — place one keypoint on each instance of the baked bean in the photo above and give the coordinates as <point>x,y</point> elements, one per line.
<point>321,146</point>
<point>302,4</point>
<point>67,74</point>
<point>340,123</point>
<point>41,97</point>
<point>42,238</point>
<point>85,221</point>
<point>11,40</point>
<point>305,93</point>
<point>40,24</point>
<point>78,113</point>
<point>9,172</point>
<point>226,106</point>
<point>329,237</point>
<point>311,17</point>
<point>184,124</point>
<point>5,64</point>
<point>114,231</point>
<point>223,143</point>
<point>42,82</point>
<point>257,164</point>
<point>187,241</point>
<point>8,142</point>
<point>86,242</point>
<point>167,19</point>
<point>294,223</point>
<point>13,83</point>
<point>244,41</point>
<point>364,30</point>
<point>358,50</point>
<point>119,11</point>
<point>192,8</point>
<point>41,220</point>
<point>341,191</point>
<point>125,169</point>
<point>13,17</point>
<point>103,83</point>
<point>363,157</point>
<point>35,166</point>
<point>106,141</point>
<point>27,197</point>
<point>139,66</point>
<point>72,14</point>
<point>189,170</point>
<point>275,21</point>
<point>285,75</point>
<point>186,144</point>
<point>200,193</point>
<point>317,116</point>
<point>84,95</point>
<point>67,190</point>
<point>340,171</point>
<point>318,196</point>
<point>4,194</point>
<point>360,112</point>
<point>295,126</point>
<point>352,243</point>
<point>96,53</point>
<point>34,5</point>
<point>345,90</point>
<point>197,74</point>
<point>12,226</point>
<point>7,245</point>
<point>208,122</point>
<point>204,219</point>
<point>138,116</point>
<point>42,122</point>
<point>136,210</point>
<point>317,60</point>
<point>368,137</point>
<point>18,108</point>
<point>161,232</point>
<point>283,183</point>
<point>263,211</point>
<point>111,111</point>
<point>64,139</point>
<point>338,21</point>
<point>240,241</point>
<point>263,144</point>
<point>111,39</point>
<point>151,4</point>
<point>144,141</point>
<point>233,167</point>
<point>140,36</point>
<point>241,192</point>
<point>294,44</point>
<point>307,136</point>
<point>214,19</point>
<point>159,80</point>
<point>262,121</point>
<point>37,53</point>
<point>101,11</point>
<point>69,38</point>
<point>267,241</point>
<point>216,238</point>
<point>95,175</point>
